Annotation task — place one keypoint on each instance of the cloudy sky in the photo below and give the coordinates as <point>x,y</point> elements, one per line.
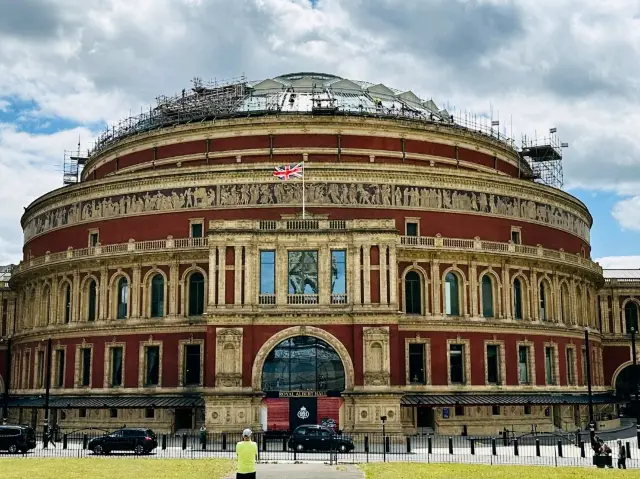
<point>70,67</point>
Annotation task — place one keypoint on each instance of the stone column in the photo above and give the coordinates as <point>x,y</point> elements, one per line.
<point>617,327</point>
<point>54,302</point>
<point>237,276</point>
<point>604,308</point>
<point>535,296</point>
<point>473,287</point>
<point>104,285</point>
<point>393,277</point>
<point>557,312</point>
<point>506,292</point>
<point>222,270</point>
<point>281,275</point>
<point>324,272</point>
<point>383,274</point>
<point>135,289</point>
<point>435,286</point>
<point>75,297</point>
<point>366,273</point>
<point>173,287</point>
<point>211,283</point>
<point>249,261</point>
<point>357,273</point>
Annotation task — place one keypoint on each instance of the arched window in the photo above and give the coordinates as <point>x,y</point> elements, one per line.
<point>544,313</point>
<point>92,302</point>
<point>451,295</point>
<point>67,304</point>
<point>412,292</point>
<point>631,317</point>
<point>487,297</point>
<point>196,294</point>
<point>376,357</point>
<point>517,299</point>
<point>157,296</point>
<point>123,298</point>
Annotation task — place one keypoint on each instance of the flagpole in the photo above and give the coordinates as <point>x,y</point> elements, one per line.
<point>303,189</point>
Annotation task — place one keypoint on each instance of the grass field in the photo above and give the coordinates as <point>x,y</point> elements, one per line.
<point>63,468</point>
<point>456,471</point>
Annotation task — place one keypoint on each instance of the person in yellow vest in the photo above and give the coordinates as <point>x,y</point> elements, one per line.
<point>246,452</point>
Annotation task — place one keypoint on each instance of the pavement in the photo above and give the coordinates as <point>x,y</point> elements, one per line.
<point>308,471</point>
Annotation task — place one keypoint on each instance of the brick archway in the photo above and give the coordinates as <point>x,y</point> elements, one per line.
<point>273,341</point>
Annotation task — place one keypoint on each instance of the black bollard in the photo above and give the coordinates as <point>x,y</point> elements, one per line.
<point>560,448</point>
<point>224,441</point>
<point>366,444</point>
<point>85,441</point>
<point>537,447</point>
<point>264,443</point>
<point>429,445</point>
<point>184,442</point>
<point>582,453</point>
<point>516,451</point>
<point>473,447</point>
<point>284,443</point>
<point>628,446</point>
<point>64,441</point>
<point>494,448</point>
<point>164,442</point>
<point>450,445</point>
<point>408,445</point>
<point>203,439</point>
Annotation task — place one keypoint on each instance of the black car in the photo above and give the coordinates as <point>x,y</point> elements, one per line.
<point>312,437</point>
<point>141,441</point>
<point>17,438</point>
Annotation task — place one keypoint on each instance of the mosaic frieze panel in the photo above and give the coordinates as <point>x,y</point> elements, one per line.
<point>290,194</point>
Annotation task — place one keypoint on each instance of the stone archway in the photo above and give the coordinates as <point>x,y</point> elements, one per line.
<point>276,339</point>
<point>623,380</point>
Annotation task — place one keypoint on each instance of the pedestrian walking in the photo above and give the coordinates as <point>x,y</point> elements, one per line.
<point>203,436</point>
<point>247,453</point>
<point>51,435</point>
<point>622,456</point>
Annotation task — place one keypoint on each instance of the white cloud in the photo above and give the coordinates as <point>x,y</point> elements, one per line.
<point>619,262</point>
<point>573,65</point>
<point>627,213</point>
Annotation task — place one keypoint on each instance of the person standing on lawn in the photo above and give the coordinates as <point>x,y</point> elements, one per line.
<point>247,453</point>
<point>622,456</point>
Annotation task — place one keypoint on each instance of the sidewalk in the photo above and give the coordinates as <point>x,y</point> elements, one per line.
<point>308,471</point>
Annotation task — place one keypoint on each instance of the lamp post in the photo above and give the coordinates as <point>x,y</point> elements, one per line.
<point>7,386</point>
<point>45,437</point>
<point>384,439</point>
<point>636,405</point>
<point>592,426</point>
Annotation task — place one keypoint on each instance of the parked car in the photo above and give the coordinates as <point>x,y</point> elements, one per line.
<point>17,438</point>
<point>139,440</point>
<point>312,437</point>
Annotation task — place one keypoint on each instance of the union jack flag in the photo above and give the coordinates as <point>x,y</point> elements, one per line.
<point>287,172</point>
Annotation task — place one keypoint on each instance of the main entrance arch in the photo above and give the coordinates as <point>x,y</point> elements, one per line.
<point>625,381</point>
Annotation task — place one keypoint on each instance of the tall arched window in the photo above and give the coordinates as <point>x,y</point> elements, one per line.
<point>517,299</point>
<point>451,295</point>
<point>631,316</point>
<point>123,298</point>
<point>487,297</point>
<point>544,314</point>
<point>196,294</point>
<point>92,302</point>
<point>157,296</point>
<point>412,292</point>
<point>67,304</point>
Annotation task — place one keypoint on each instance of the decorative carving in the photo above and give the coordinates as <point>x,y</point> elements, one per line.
<point>376,356</point>
<point>229,357</point>
<point>315,194</point>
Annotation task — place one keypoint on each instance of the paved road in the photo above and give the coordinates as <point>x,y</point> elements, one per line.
<point>308,471</point>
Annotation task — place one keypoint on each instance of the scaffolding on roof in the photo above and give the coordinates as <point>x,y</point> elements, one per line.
<point>545,157</point>
<point>72,166</point>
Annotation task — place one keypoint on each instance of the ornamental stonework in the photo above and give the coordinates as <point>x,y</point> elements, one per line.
<point>317,193</point>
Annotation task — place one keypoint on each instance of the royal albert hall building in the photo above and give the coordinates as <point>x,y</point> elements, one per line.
<point>430,279</point>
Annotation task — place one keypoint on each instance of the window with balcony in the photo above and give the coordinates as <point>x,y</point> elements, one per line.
<point>417,373</point>
<point>338,277</point>
<point>197,230</point>
<point>196,294</point>
<point>456,364</point>
<point>94,239</point>
<point>523,365</point>
<point>157,296</point>
<point>116,365</point>
<point>122,307</point>
<point>152,366</point>
<point>412,228</point>
<point>303,277</point>
<point>487,297</point>
<point>516,235</point>
<point>412,293</point>
<point>451,295</point>
<point>493,364</point>
<point>191,373</point>
<point>267,277</point>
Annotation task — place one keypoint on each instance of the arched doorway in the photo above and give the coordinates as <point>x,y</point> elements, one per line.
<point>625,382</point>
<point>303,378</point>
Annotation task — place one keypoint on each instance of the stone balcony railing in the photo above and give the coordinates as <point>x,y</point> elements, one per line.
<point>422,242</point>
<point>510,248</point>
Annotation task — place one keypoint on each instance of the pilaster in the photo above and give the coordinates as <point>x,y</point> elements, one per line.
<point>222,273</point>
<point>250,259</point>
<point>393,277</point>
<point>435,287</point>
<point>366,272</point>
<point>535,296</point>
<point>173,288</point>
<point>211,284</point>
<point>75,301</point>
<point>357,274</point>
<point>473,286</point>
<point>604,311</point>
<point>237,275</point>
<point>557,311</point>
<point>281,275</point>
<point>617,327</point>
<point>135,288</point>
<point>506,292</point>
<point>324,272</point>
<point>383,274</point>
<point>104,284</point>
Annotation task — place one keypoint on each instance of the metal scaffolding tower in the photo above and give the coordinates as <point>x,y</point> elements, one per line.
<point>73,165</point>
<point>545,157</point>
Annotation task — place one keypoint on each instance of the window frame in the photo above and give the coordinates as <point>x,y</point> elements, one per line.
<point>555,366</point>
<point>182,362</point>
<point>466,361</point>
<point>90,236</point>
<point>196,222</point>
<point>427,360</point>
<point>501,363</point>
<point>421,292</point>
<point>58,369</point>
<point>518,231</point>
<point>338,298</point>
<point>573,370</point>
<point>79,365</point>
<point>142,363</point>
<point>108,365</point>
<point>531,364</point>
<point>461,298</point>
<point>187,290</point>
<point>411,220</point>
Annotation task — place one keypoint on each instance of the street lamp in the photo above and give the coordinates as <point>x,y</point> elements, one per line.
<point>636,405</point>
<point>592,426</point>
<point>384,439</point>
<point>7,386</point>
<point>45,437</point>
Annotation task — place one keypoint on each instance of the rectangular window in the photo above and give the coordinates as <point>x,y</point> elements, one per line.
<point>515,235</point>
<point>59,378</point>
<point>548,361</point>
<point>40,372</point>
<point>456,363</point>
<point>571,363</point>
<point>82,413</point>
<point>527,410</point>
<point>267,272</point>
<point>412,229</point>
<point>85,355</point>
<point>303,277</point>
<point>192,365</point>
<point>196,230</point>
<point>113,413</point>
<point>93,240</point>
<point>495,410</point>
<point>149,413</point>
<point>459,410</point>
<point>116,367</point>
<point>152,366</point>
<point>417,373</point>
<point>338,277</point>
<point>493,364</point>
<point>523,364</point>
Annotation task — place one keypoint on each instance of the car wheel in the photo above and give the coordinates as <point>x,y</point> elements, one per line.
<point>299,447</point>
<point>13,449</point>
<point>342,448</point>
<point>98,449</point>
<point>139,449</point>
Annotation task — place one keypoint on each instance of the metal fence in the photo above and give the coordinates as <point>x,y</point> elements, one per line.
<point>547,450</point>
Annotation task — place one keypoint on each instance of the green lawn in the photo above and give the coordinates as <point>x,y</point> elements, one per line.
<point>63,468</point>
<point>456,471</point>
